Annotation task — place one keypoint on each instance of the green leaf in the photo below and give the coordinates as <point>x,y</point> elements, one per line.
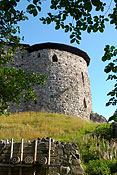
<point>107,69</point>
<point>88,6</point>
<point>35,12</point>
<point>49,14</point>
<point>73,40</point>
<point>64,17</point>
<point>57,27</point>
<point>104,58</point>
<point>95,29</point>
<point>84,27</point>
<point>31,8</point>
<point>112,93</point>
<point>39,8</point>
<point>72,36</point>
<point>77,41</point>
<point>35,2</point>
<point>107,47</point>
<point>48,20</point>
<point>98,8</point>
<point>89,30</point>
<point>95,2</point>
<point>89,20</point>
<point>106,19</point>
<point>114,117</point>
<point>112,47</point>
<point>101,29</point>
<point>66,28</point>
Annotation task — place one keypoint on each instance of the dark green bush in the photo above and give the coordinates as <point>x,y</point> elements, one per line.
<point>101,167</point>
<point>88,152</point>
<point>104,131</point>
<point>97,167</point>
<point>112,164</point>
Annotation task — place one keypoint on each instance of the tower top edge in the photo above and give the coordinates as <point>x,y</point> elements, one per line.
<point>62,47</point>
<point>58,46</point>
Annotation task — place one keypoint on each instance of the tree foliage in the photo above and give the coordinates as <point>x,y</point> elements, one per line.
<point>75,16</point>
<point>14,84</point>
<point>113,117</point>
<point>111,69</point>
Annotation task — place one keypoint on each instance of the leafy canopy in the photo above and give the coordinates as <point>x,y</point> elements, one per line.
<point>14,84</point>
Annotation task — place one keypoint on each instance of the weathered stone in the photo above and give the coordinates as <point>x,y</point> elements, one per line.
<point>59,151</point>
<point>42,160</point>
<point>64,170</point>
<point>95,117</point>
<point>28,160</point>
<point>67,162</point>
<point>68,88</point>
<point>67,148</point>
<point>15,160</point>
<point>77,170</point>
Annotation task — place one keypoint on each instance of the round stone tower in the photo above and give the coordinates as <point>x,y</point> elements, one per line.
<point>68,87</point>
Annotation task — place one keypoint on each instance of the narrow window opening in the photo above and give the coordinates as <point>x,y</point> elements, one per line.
<point>38,55</point>
<point>54,58</point>
<point>35,102</point>
<point>85,105</point>
<point>82,77</point>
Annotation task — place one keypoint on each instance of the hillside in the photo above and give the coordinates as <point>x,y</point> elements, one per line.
<point>97,147</point>
<point>31,125</point>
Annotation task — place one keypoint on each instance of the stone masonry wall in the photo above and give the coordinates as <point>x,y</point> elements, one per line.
<point>68,87</point>
<point>64,158</point>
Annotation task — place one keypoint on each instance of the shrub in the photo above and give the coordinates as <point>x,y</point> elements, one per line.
<point>92,148</point>
<point>104,131</point>
<point>97,167</point>
<point>112,164</point>
<point>88,152</point>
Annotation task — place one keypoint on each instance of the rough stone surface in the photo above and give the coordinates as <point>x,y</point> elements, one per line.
<point>95,117</point>
<point>68,86</point>
<point>64,157</point>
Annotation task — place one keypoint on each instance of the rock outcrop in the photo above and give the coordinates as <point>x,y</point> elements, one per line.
<point>95,117</point>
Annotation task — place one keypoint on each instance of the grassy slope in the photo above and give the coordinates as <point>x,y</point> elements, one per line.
<point>33,125</point>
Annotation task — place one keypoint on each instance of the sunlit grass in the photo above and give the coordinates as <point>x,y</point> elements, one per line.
<point>31,125</point>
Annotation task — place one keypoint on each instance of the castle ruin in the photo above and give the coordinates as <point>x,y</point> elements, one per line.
<point>68,87</point>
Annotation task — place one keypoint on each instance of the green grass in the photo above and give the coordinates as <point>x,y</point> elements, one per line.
<point>31,125</point>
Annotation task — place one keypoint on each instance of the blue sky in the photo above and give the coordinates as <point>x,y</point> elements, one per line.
<point>35,32</point>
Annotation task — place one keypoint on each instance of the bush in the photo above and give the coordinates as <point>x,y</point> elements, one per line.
<point>88,152</point>
<point>104,130</point>
<point>101,167</point>
<point>97,167</point>
<point>112,164</point>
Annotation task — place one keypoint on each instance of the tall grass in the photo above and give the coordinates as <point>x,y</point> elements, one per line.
<point>102,147</point>
<point>97,147</point>
<point>31,125</point>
